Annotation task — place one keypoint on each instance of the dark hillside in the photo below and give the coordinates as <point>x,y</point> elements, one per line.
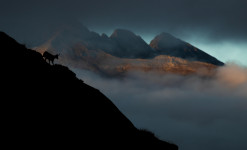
<point>46,106</point>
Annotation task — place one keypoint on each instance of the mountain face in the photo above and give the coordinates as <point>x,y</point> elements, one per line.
<point>107,65</point>
<point>47,106</point>
<point>124,51</point>
<point>131,45</point>
<point>166,44</point>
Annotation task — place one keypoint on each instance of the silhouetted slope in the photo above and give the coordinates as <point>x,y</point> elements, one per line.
<point>166,44</point>
<point>46,106</point>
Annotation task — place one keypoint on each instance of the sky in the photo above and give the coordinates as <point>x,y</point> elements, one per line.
<point>218,27</point>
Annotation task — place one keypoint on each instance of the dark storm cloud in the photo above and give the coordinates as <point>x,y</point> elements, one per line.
<point>216,19</point>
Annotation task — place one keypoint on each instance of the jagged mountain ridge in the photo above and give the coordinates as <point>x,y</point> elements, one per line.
<point>122,43</point>
<point>47,106</point>
<point>131,45</point>
<point>127,50</point>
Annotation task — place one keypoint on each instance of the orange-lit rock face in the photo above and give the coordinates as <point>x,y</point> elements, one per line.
<point>106,64</point>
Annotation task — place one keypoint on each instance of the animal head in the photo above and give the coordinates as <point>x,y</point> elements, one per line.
<point>56,56</point>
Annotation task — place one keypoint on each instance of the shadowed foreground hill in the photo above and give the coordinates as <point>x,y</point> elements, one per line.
<point>46,106</point>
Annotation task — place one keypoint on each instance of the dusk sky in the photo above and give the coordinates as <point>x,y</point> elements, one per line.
<point>218,27</point>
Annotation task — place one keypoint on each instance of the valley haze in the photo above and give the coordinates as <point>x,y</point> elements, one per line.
<point>194,111</point>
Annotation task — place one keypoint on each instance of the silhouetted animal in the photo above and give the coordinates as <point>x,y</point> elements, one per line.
<point>48,56</point>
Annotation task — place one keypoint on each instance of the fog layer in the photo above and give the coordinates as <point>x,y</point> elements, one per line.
<point>195,113</point>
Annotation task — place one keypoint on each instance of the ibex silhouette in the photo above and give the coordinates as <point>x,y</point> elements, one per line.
<point>48,56</point>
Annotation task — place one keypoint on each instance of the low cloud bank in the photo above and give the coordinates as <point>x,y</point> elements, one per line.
<point>193,112</point>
